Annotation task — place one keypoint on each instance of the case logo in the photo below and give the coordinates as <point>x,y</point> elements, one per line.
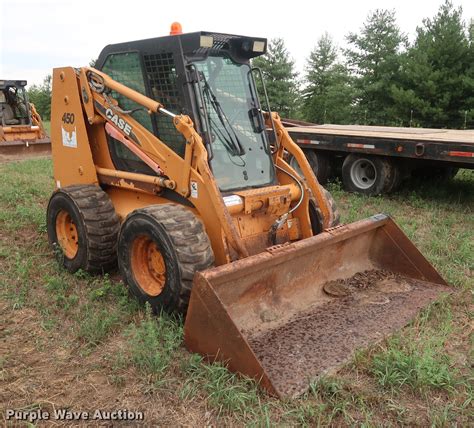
<point>118,121</point>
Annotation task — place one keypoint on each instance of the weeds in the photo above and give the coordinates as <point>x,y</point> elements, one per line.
<point>418,359</point>
<point>224,391</point>
<point>153,342</point>
<point>417,368</point>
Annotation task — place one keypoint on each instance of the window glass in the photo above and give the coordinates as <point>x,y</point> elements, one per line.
<point>125,68</point>
<point>230,103</point>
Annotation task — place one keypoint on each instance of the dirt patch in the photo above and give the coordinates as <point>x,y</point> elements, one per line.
<point>45,370</point>
<point>22,156</point>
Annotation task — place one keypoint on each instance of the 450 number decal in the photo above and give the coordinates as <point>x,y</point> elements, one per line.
<point>68,118</point>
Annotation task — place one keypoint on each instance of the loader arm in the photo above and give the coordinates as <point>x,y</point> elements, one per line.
<point>193,168</point>
<point>285,142</point>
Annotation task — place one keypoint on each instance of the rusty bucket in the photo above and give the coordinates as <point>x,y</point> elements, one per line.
<point>297,311</point>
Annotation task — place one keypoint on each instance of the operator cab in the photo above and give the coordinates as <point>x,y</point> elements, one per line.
<point>207,76</point>
<point>13,103</point>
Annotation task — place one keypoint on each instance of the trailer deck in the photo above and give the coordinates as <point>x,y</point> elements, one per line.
<point>422,134</point>
<point>441,145</point>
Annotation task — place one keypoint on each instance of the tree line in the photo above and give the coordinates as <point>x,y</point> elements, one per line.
<point>380,78</point>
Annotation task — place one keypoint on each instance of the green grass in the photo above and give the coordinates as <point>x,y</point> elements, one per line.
<point>224,391</point>
<point>417,359</point>
<point>26,187</point>
<point>47,126</point>
<point>421,376</point>
<point>153,343</point>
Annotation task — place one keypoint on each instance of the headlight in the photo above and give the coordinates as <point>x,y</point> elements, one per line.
<point>258,46</point>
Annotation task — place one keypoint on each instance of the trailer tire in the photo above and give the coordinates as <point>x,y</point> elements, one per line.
<point>160,249</point>
<point>316,216</point>
<point>397,177</point>
<point>321,164</point>
<point>369,175</point>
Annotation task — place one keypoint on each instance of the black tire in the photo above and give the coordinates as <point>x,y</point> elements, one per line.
<point>321,164</point>
<point>96,225</point>
<point>397,178</point>
<point>435,173</point>
<point>370,175</point>
<point>316,217</point>
<point>184,247</point>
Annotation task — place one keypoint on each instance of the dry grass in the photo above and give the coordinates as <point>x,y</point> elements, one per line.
<point>79,342</point>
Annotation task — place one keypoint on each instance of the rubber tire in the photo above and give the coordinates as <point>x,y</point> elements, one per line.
<point>316,216</point>
<point>388,175</point>
<point>97,225</point>
<point>397,178</point>
<point>435,173</point>
<point>321,164</point>
<point>183,243</point>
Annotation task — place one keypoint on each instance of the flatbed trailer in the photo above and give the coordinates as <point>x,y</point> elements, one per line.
<point>375,159</point>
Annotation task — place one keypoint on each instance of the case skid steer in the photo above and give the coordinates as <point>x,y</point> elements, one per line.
<point>166,161</point>
<point>21,128</point>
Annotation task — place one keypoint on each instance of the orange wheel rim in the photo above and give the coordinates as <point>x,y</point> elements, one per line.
<point>66,233</point>
<point>148,265</point>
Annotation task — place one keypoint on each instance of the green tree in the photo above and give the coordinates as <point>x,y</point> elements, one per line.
<point>374,58</point>
<point>280,78</point>
<point>40,96</point>
<point>328,95</point>
<point>438,83</point>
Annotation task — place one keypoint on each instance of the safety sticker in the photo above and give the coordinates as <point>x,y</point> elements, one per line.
<point>194,189</point>
<point>232,200</point>
<point>69,138</point>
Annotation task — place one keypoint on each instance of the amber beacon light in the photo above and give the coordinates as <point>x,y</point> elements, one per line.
<point>176,28</point>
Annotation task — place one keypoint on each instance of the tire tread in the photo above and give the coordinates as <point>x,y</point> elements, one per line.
<point>190,241</point>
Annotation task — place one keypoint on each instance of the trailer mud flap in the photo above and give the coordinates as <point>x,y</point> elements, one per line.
<point>295,312</point>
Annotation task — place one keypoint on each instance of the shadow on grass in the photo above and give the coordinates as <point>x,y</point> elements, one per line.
<point>460,190</point>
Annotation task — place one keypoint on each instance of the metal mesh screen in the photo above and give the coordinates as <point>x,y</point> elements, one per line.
<point>162,76</point>
<point>126,69</point>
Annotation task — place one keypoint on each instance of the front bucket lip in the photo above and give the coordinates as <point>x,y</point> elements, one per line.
<point>205,297</point>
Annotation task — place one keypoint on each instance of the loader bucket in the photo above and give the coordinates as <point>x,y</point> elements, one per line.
<point>297,311</point>
<point>20,149</point>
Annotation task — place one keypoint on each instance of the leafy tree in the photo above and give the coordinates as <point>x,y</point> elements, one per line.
<point>328,96</point>
<point>280,78</point>
<point>438,81</point>
<point>40,96</point>
<point>375,60</point>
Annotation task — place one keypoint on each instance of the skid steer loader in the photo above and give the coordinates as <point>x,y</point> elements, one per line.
<point>163,161</point>
<point>21,129</point>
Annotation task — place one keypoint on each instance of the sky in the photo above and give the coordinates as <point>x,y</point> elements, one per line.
<point>38,35</point>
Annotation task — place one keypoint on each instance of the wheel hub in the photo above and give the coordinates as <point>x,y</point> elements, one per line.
<point>148,265</point>
<point>294,164</point>
<point>66,233</point>
<point>363,173</point>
